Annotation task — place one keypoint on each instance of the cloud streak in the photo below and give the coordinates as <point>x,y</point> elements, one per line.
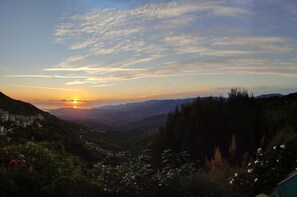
<point>169,39</point>
<point>46,88</point>
<point>45,76</point>
<point>165,31</point>
<point>107,69</point>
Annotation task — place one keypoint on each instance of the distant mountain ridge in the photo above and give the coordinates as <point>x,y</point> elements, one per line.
<point>130,116</point>
<point>121,115</point>
<point>269,95</point>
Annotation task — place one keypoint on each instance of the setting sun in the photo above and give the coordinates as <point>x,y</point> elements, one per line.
<point>74,102</point>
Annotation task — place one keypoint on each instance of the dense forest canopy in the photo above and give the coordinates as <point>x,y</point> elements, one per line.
<point>206,123</point>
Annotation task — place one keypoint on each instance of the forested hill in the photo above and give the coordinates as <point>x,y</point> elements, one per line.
<point>21,121</point>
<point>206,123</point>
<point>18,107</point>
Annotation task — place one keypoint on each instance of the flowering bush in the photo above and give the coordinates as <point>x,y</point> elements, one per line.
<point>136,177</point>
<point>270,166</point>
<point>33,169</point>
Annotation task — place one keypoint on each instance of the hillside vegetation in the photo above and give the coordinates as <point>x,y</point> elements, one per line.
<point>239,146</point>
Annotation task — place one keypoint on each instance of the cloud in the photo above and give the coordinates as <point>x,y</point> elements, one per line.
<point>107,31</point>
<point>170,38</point>
<point>46,88</point>
<point>45,76</point>
<point>101,69</point>
<point>68,100</point>
<point>266,44</point>
<point>101,85</point>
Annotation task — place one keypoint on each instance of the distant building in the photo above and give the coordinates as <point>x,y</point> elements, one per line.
<point>12,118</point>
<point>2,130</point>
<point>19,120</point>
<point>3,116</point>
<point>39,116</point>
<point>39,125</point>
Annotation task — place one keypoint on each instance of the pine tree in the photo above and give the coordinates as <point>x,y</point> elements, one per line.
<point>232,151</point>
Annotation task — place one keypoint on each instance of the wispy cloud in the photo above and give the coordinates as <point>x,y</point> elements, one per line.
<point>266,44</point>
<point>101,85</point>
<point>158,39</point>
<point>45,76</point>
<point>102,69</point>
<point>106,33</point>
<point>46,88</point>
<point>68,100</point>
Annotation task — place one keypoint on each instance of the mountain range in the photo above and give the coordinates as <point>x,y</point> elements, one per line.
<point>96,133</point>
<point>139,117</point>
<point>127,117</point>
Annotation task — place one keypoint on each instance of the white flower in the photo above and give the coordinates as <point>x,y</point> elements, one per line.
<point>259,150</point>
<point>250,170</point>
<point>274,147</point>
<point>256,179</point>
<point>231,182</point>
<point>283,146</point>
<point>277,160</point>
<point>249,164</point>
<point>160,184</point>
<point>235,174</point>
<point>256,161</point>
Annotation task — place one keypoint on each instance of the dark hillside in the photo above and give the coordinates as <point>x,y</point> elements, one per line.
<point>18,107</point>
<point>77,139</point>
<point>280,113</point>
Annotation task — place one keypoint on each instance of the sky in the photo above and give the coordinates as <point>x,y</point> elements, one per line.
<point>84,54</point>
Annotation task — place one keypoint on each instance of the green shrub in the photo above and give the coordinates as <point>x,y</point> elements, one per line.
<point>33,169</point>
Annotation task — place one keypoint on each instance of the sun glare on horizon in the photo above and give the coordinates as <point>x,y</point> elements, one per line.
<point>76,102</point>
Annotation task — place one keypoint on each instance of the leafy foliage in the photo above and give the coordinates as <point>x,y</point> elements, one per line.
<point>270,166</point>
<point>136,177</point>
<point>33,169</point>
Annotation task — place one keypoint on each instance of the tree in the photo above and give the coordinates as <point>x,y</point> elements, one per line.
<point>232,150</point>
<point>238,93</point>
